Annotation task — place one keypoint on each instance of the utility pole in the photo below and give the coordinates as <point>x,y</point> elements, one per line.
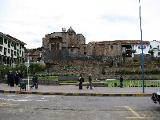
<point>142,54</point>
<point>28,70</point>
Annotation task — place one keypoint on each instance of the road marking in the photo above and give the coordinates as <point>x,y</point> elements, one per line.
<point>134,112</point>
<point>6,104</point>
<point>27,98</point>
<point>139,117</point>
<point>136,115</point>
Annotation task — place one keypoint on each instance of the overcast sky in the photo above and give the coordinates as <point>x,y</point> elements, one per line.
<point>97,20</point>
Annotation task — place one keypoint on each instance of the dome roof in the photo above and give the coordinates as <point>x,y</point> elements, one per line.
<point>70,30</point>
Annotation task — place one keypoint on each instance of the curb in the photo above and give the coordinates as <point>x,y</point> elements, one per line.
<point>78,94</point>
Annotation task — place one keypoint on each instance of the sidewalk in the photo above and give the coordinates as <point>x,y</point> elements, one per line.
<point>72,90</point>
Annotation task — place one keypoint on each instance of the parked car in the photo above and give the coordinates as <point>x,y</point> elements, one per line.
<point>156,97</point>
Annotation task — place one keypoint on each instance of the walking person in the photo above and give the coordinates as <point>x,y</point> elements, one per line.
<point>81,80</point>
<point>34,81</point>
<point>121,81</point>
<point>89,85</point>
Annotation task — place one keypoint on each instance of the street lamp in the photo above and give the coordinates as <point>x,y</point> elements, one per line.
<point>28,70</point>
<point>142,54</point>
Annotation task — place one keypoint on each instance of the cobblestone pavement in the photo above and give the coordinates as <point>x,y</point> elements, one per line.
<point>74,89</point>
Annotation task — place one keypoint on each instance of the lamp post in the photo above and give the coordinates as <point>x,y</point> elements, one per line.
<point>28,71</point>
<point>142,54</point>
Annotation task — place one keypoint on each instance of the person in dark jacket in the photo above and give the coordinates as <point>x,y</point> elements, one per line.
<point>81,80</point>
<point>10,77</point>
<point>17,78</point>
<point>20,74</point>
<point>89,85</point>
<point>34,81</point>
<point>121,81</point>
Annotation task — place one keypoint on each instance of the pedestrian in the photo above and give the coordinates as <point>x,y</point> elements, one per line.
<point>89,85</point>
<point>20,75</point>
<point>6,78</point>
<point>81,80</point>
<point>34,81</point>
<point>17,78</point>
<point>10,77</point>
<point>121,81</point>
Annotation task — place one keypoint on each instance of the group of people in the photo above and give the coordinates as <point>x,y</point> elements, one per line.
<point>81,80</point>
<point>89,85</point>
<point>14,78</point>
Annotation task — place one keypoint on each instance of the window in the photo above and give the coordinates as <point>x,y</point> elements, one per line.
<point>1,48</point>
<point>9,44</point>
<point>158,53</point>
<point>5,41</point>
<point>15,46</point>
<point>22,46</point>
<point>150,46</point>
<point>12,44</point>
<point>9,51</point>
<point>15,53</point>
<point>22,53</point>
<point>5,51</point>
<point>1,40</point>
<point>18,53</point>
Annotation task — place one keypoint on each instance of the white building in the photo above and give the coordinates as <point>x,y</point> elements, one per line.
<point>155,46</point>
<point>11,50</point>
<point>138,49</point>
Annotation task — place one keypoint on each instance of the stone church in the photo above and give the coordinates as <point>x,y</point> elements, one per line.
<point>63,45</point>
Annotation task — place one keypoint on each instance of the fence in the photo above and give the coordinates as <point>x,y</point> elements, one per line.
<point>133,83</point>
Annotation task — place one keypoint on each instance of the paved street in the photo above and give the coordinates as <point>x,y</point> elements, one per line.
<point>32,107</point>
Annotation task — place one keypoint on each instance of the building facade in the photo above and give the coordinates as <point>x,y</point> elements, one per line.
<point>116,48</point>
<point>155,47</point>
<point>34,55</point>
<point>67,45</point>
<point>63,45</point>
<point>11,50</point>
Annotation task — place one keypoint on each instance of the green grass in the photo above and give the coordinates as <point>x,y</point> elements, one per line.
<point>133,83</point>
<point>68,81</point>
<point>48,78</point>
<point>108,83</point>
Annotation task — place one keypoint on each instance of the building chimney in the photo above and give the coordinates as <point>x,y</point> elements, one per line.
<point>63,29</point>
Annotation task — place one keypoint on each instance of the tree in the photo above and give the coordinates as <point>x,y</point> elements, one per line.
<point>35,68</point>
<point>22,68</point>
<point>4,70</point>
<point>151,52</point>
